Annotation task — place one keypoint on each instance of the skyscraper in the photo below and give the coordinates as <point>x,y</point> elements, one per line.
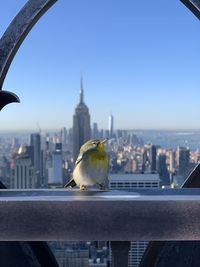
<point>63,136</point>
<point>149,158</point>
<point>95,131</point>
<point>55,170</point>
<point>183,159</point>
<point>172,163</point>
<point>81,124</point>
<point>162,169</point>
<point>110,125</point>
<point>37,159</point>
<point>23,176</point>
<point>5,171</point>
<point>152,157</point>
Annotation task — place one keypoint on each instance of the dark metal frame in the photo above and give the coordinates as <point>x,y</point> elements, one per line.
<point>194,6</point>
<point>155,248</point>
<point>13,38</point>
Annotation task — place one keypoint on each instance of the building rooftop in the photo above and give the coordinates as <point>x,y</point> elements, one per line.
<point>134,177</point>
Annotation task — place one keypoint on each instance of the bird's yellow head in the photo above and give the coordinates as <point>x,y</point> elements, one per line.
<point>94,144</point>
<point>96,152</point>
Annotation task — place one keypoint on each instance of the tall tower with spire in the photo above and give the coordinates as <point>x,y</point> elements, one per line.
<point>81,124</point>
<point>111,125</point>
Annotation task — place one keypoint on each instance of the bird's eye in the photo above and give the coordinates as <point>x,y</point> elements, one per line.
<point>95,143</point>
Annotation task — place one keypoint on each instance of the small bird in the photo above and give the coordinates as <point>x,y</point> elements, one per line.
<point>91,166</point>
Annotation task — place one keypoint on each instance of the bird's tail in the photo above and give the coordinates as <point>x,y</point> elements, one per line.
<point>71,183</point>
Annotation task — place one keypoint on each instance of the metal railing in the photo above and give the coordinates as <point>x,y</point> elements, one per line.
<point>139,214</point>
<point>116,216</point>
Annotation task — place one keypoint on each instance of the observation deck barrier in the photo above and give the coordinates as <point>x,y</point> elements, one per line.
<point>66,215</point>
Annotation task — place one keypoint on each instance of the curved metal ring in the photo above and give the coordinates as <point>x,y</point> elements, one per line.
<point>13,38</point>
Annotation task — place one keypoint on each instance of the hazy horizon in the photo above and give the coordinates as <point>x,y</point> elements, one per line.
<point>136,130</point>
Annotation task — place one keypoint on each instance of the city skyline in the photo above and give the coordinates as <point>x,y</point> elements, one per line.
<point>139,62</point>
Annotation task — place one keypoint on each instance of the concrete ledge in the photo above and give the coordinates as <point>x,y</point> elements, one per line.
<point>142,214</point>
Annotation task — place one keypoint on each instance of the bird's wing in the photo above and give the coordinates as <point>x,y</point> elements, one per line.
<point>83,153</point>
<point>71,183</point>
<point>80,156</point>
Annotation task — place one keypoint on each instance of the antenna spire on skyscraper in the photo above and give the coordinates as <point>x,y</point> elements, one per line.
<point>81,90</point>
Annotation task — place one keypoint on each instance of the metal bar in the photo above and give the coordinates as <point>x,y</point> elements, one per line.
<point>18,30</point>
<point>193,179</point>
<point>194,6</point>
<point>13,38</point>
<point>141,214</point>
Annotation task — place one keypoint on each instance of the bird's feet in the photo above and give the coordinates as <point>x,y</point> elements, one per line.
<point>102,186</point>
<point>83,187</point>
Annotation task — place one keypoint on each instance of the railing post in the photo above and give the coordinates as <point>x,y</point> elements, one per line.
<point>120,250</point>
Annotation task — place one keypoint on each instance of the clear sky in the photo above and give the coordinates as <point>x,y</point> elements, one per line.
<point>140,61</point>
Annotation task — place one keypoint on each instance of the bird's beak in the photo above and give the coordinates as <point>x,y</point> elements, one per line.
<point>104,141</point>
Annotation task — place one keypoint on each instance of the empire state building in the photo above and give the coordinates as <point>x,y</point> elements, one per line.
<point>81,124</point>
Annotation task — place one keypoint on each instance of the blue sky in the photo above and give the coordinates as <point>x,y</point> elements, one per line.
<point>140,60</point>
